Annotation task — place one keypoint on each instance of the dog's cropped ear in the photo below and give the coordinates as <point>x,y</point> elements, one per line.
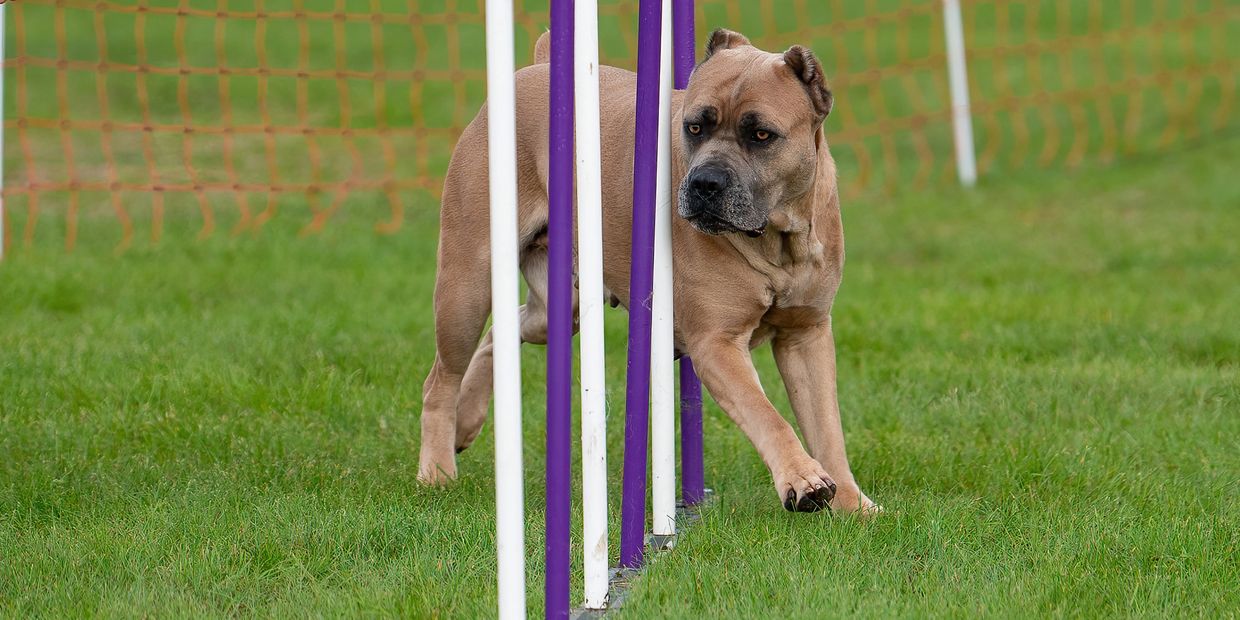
<point>723,39</point>
<point>806,67</point>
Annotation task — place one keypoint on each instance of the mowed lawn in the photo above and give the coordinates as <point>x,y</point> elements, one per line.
<point>1040,381</point>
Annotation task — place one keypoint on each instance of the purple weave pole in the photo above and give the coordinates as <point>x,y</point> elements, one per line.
<point>692,460</point>
<point>559,310</point>
<point>692,465</point>
<point>641,283</point>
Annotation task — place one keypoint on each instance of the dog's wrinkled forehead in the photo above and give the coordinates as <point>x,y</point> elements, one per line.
<point>735,78</point>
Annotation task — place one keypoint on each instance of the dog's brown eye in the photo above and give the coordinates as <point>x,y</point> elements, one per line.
<point>695,129</point>
<point>762,136</point>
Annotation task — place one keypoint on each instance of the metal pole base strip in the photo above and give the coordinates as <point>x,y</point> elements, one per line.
<point>621,580</point>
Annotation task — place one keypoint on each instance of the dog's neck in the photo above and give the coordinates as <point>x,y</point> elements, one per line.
<point>791,237</point>
<point>788,240</point>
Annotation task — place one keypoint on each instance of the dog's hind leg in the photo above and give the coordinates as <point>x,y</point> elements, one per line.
<point>462,308</point>
<point>462,305</point>
<point>476,389</point>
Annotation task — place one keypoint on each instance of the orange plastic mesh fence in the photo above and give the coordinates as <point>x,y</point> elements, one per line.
<point>126,113</point>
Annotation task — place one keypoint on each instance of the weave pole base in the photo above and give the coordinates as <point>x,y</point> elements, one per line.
<point>621,580</point>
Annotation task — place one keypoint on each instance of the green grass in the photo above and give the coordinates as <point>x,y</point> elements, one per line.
<point>1040,381</point>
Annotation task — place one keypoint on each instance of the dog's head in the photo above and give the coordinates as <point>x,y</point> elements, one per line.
<point>751,130</point>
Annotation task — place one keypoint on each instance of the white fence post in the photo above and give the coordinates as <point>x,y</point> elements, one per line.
<point>962,122</point>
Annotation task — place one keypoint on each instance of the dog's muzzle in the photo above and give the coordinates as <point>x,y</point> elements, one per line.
<point>713,201</point>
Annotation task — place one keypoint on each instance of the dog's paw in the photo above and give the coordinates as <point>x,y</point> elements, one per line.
<point>437,473</point>
<point>850,500</point>
<point>465,438</point>
<point>804,486</point>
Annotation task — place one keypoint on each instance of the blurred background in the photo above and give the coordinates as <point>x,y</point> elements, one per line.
<point>124,113</point>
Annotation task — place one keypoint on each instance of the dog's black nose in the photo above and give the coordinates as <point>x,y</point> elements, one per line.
<point>708,180</point>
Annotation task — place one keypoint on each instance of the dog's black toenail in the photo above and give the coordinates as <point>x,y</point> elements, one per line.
<point>807,504</point>
<point>823,497</point>
<point>790,500</point>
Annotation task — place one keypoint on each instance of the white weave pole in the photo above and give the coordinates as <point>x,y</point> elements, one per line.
<point>590,309</point>
<point>958,76</point>
<point>662,347</point>
<point>505,301</point>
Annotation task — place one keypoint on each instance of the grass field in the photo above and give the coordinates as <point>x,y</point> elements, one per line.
<point>1040,380</point>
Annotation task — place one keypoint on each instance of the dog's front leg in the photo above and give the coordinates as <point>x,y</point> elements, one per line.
<point>728,372</point>
<point>806,360</point>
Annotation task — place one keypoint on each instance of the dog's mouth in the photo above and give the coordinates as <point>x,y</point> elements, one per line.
<point>712,225</point>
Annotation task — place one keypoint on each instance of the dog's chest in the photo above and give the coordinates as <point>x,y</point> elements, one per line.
<point>786,318</point>
<point>800,297</point>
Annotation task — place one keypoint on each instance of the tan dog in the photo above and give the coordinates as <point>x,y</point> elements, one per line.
<point>758,251</point>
